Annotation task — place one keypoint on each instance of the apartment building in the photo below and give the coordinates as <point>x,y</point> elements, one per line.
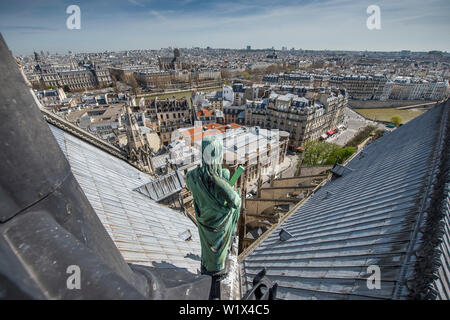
<point>305,118</point>
<point>360,87</point>
<point>293,79</point>
<point>365,87</point>
<point>406,88</point>
<point>234,114</point>
<point>166,116</point>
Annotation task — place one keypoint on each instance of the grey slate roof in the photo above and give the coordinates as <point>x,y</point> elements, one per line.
<point>144,231</point>
<point>378,213</point>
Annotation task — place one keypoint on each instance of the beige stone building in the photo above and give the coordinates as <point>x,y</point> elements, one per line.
<point>360,87</point>
<point>305,118</point>
<point>77,79</point>
<point>166,116</point>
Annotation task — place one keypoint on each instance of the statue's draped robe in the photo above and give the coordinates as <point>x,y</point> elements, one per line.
<point>217,205</point>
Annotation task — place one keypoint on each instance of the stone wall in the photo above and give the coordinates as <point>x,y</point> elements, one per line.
<point>313,170</point>
<point>230,286</point>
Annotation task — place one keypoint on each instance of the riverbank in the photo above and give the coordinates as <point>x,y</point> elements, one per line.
<point>376,104</point>
<point>385,114</point>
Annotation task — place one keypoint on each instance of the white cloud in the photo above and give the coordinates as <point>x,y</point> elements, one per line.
<point>136,3</point>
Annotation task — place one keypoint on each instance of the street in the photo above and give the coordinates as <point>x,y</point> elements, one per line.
<point>353,121</point>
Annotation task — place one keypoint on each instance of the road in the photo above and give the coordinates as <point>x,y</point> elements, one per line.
<point>290,171</point>
<point>353,121</point>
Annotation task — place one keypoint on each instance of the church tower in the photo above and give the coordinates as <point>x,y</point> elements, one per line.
<point>138,148</point>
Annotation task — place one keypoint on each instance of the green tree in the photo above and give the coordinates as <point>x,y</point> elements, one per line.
<point>131,81</point>
<point>378,134</point>
<point>396,120</point>
<point>246,75</point>
<point>340,155</point>
<point>360,136</point>
<point>318,152</point>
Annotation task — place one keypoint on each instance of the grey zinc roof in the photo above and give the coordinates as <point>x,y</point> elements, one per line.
<point>163,187</point>
<point>442,283</point>
<point>160,161</point>
<point>144,231</point>
<point>374,214</point>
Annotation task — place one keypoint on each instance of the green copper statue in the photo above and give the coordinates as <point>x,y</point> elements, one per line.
<point>217,206</point>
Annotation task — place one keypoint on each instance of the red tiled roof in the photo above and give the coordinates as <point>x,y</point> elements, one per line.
<point>206,113</point>
<point>212,129</point>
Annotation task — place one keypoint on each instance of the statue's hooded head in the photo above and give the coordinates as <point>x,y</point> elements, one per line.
<point>212,156</point>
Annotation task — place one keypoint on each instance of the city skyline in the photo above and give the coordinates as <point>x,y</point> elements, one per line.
<point>309,25</point>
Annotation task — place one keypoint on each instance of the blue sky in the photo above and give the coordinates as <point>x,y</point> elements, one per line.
<point>416,25</point>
